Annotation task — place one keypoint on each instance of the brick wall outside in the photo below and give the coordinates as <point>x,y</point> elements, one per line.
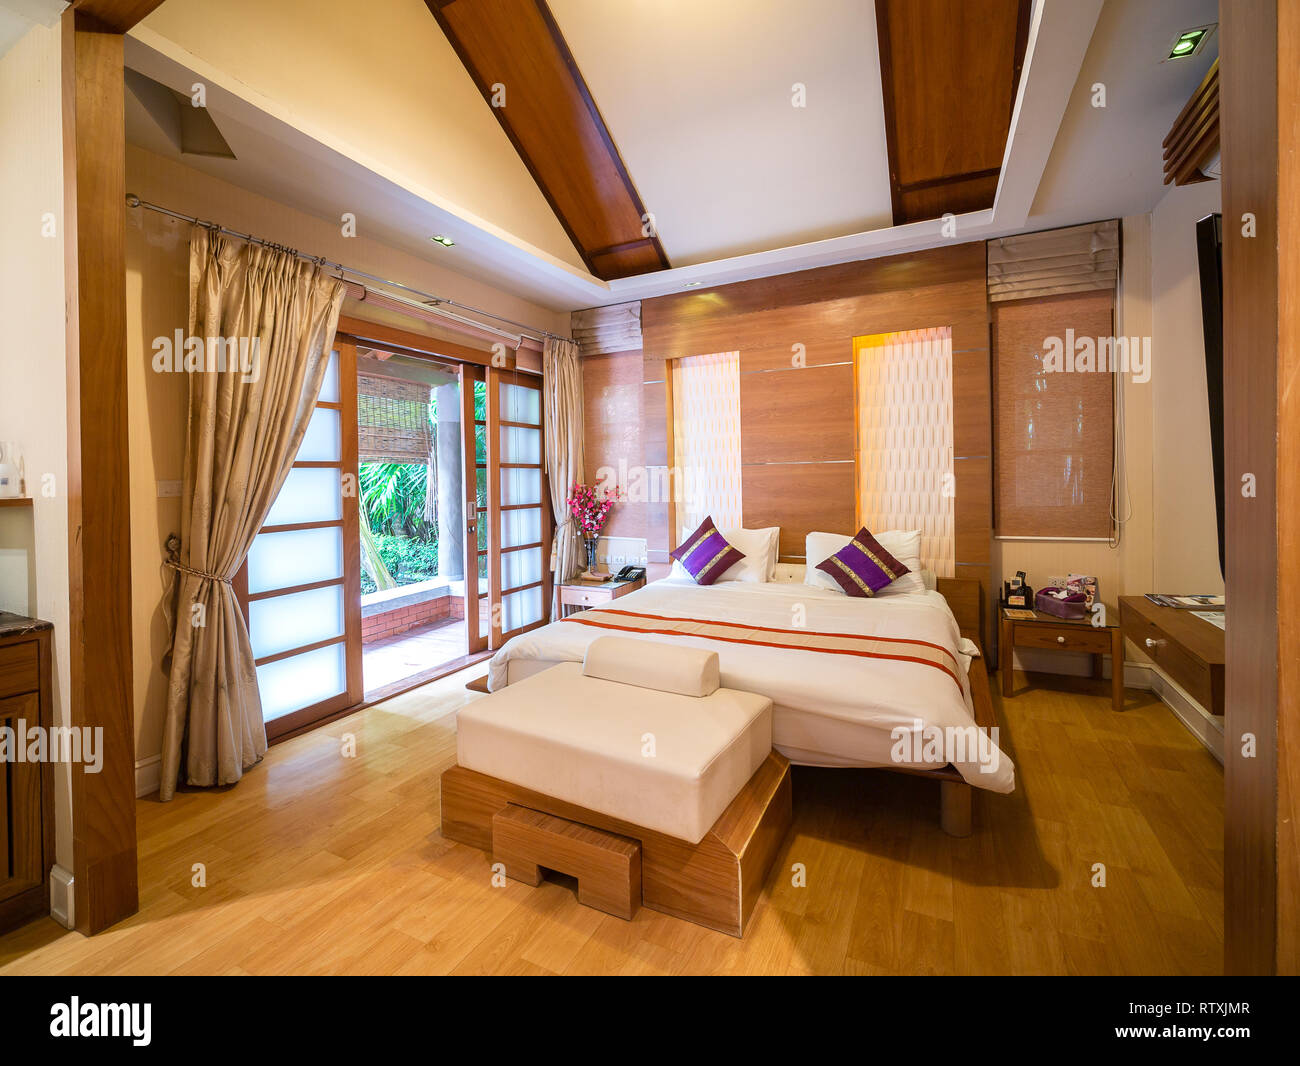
<point>400,619</point>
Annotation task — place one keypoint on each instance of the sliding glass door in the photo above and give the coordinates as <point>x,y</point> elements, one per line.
<point>519,513</point>
<point>300,586</point>
<point>484,513</point>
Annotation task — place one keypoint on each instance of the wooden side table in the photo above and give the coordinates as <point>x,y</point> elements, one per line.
<point>579,595</point>
<point>1060,634</point>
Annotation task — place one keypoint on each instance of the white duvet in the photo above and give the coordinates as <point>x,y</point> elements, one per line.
<point>906,709</point>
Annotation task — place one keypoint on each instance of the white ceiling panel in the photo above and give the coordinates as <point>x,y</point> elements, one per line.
<point>697,95</point>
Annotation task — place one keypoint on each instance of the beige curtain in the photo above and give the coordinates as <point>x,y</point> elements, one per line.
<point>562,397</point>
<point>246,421</point>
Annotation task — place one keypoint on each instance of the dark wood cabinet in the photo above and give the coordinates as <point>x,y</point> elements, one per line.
<point>26,787</point>
<point>1187,648</point>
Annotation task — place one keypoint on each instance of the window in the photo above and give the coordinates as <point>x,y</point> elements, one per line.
<point>1054,415</point>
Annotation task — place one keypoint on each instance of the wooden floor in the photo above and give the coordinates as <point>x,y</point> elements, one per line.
<point>321,863</point>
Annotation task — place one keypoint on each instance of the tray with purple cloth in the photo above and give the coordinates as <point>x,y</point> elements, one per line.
<point>1062,603</point>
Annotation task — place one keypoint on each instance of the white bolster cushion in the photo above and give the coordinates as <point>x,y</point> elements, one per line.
<point>650,664</point>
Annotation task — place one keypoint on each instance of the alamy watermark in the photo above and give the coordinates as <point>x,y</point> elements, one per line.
<point>179,354</point>
<point>937,746</point>
<point>35,744</point>
<point>1099,355</point>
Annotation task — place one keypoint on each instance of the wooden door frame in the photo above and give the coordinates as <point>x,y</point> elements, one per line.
<point>105,887</point>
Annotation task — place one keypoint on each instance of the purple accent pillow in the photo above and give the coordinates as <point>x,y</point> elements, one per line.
<point>862,567</point>
<point>706,554</point>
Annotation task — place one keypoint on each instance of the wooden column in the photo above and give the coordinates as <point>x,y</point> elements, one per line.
<point>94,148</point>
<point>1259,112</point>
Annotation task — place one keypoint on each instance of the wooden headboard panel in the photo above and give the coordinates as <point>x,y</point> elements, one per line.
<point>965,597</point>
<point>798,422</point>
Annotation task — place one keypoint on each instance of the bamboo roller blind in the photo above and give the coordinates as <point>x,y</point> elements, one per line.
<point>1075,259</point>
<point>393,420</point>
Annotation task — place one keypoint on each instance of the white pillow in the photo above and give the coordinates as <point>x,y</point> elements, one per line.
<point>759,546</point>
<point>903,544</point>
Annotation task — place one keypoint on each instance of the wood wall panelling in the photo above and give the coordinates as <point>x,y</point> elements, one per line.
<point>800,498</point>
<point>94,140</point>
<point>797,416</point>
<point>554,124</point>
<point>796,421</point>
<point>973,511</point>
<point>612,430</point>
<point>949,72</point>
<point>1249,94</point>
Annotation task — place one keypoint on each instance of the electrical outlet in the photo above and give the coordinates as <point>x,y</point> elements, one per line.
<point>169,489</point>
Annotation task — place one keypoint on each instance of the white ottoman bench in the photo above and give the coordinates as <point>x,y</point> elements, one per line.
<point>682,773</point>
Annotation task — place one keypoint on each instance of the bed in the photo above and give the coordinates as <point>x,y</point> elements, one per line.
<point>855,682</point>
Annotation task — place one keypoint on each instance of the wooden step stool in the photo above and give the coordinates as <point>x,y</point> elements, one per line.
<point>607,866</point>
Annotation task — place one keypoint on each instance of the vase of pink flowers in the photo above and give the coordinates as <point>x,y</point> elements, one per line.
<point>590,508</point>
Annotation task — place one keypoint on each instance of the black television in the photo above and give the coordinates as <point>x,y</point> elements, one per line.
<point>1209,257</point>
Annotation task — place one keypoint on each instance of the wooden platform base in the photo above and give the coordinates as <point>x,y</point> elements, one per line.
<point>714,883</point>
<point>607,866</point>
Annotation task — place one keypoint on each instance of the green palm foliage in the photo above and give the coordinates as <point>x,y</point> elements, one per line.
<point>392,495</point>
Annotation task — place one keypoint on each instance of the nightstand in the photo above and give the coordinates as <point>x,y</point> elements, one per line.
<point>1046,631</point>
<point>579,595</point>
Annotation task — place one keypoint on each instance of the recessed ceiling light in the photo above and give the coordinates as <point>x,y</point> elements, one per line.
<point>1189,42</point>
<point>438,238</point>
<point>692,284</point>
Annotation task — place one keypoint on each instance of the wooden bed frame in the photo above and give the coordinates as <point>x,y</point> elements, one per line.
<point>965,599</point>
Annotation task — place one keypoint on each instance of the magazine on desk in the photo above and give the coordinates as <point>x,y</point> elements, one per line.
<point>1198,602</point>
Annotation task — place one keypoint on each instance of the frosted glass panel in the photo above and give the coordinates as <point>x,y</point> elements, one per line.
<point>289,685</point>
<point>286,622</point>
<point>520,609</point>
<point>322,442</point>
<point>521,486</point>
<point>519,404</point>
<point>521,568</point>
<point>329,390</point>
<point>310,494</point>
<point>521,527</point>
<point>521,445</point>
<point>297,557</point>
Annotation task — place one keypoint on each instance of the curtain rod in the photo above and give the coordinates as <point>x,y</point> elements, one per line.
<point>437,301</point>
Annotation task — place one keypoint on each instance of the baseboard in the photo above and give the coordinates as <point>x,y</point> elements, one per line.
<point>1198,721</point>
<point>62,907</point>
<point>1206,727</point>
<point>148,775</point>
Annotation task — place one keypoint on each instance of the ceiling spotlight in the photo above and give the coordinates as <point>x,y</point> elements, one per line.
<point>438,238</point>
<point>692,284</point>
<point>1189,42</point>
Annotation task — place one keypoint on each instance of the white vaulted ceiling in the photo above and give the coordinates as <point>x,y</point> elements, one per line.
<point>698,98</point>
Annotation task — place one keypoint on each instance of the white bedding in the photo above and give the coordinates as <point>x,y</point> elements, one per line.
<point>829,710</point>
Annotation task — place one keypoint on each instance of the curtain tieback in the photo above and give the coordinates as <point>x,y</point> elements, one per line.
<point>198,573</point>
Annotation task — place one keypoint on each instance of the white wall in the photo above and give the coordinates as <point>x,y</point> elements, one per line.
<point>33,362</point>
<point>377,82</point>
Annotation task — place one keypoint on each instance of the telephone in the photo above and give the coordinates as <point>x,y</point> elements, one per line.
<point>630,573</point>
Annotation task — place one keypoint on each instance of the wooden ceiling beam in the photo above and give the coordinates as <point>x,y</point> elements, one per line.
<point>949,72</point>
<point>116,15</point>
<point>518,58</point>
